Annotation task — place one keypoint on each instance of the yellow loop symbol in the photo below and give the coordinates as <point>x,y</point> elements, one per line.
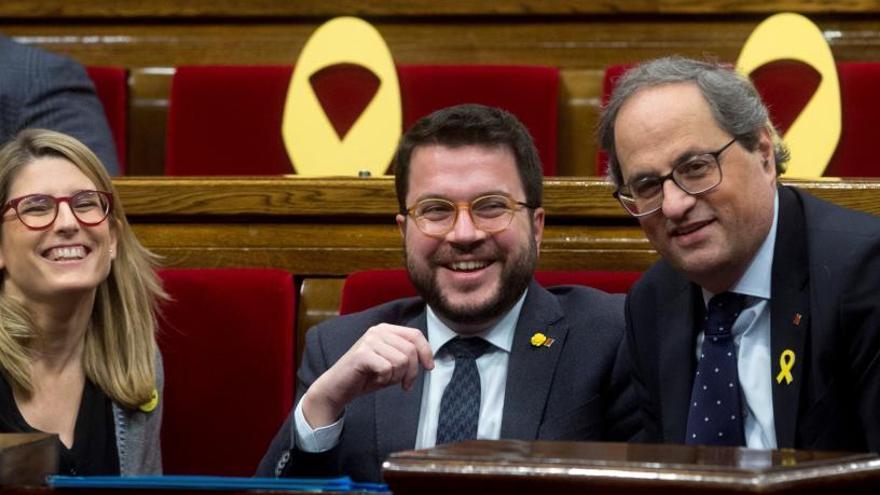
<point>814,134</point>
<point>311,141</point>
<point>152,403</point>
<point>786,363</point>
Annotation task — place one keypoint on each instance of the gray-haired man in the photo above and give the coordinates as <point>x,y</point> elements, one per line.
<point>761,324</point>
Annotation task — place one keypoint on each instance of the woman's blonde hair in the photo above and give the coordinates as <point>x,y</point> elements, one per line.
<point>120,343</point>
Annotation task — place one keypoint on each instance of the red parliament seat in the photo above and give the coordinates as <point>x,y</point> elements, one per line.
<point>227,339</point>
<point>111,85</point>
<point>363,290</point>
<point>786,86</point>
<point>226,120</point>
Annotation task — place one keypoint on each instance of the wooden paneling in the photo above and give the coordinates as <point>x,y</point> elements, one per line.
<point>323,229</point>
<point>318,301</point>
<point>172,9</point>
<point>579,37</point>
<point>149,88</point>
<point>331,227</point>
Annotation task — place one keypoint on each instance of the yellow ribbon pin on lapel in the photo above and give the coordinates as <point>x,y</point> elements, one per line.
<point>538,339</point>
<point>786,363</point>
<point>541,340</point>
<point>152,403</point>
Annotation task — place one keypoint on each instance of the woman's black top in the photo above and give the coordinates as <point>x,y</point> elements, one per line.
<point>94,438</point>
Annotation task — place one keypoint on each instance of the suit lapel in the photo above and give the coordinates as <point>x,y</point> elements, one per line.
<point>530,369</point>
<point>789,313</point>
<point>397,411</point>
<point>676,336</point>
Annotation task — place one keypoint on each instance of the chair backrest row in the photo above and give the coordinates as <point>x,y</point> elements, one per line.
<point>241,107</point>
<point>227,338</point>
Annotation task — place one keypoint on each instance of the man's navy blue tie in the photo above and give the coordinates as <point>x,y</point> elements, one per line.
<point>460,404</point>
<point>715,416</point>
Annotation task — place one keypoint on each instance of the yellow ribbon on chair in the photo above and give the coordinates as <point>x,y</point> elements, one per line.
<point>312,144</point>
<point>786,363</point>
<point>813,136</point>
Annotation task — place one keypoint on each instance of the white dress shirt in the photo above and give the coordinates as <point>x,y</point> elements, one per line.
<point>751,332</point>
<point>493,379</point>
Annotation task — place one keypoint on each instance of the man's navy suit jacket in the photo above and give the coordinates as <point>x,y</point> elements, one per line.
<point>570,390</point>
<point>824,306</point>
<point>50,91</point>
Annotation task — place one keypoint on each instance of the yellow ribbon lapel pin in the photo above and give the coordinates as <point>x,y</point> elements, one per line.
<point>540,340</point>
<point>786,363</point>
<point>152,403</point>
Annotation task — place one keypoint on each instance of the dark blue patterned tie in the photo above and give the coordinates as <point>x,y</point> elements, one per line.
<point>715,416</point>
<point>460,405</point>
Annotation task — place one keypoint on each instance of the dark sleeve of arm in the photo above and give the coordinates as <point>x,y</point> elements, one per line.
<point>649,419</point>
<point>623,423</point>
<point>283,457</point>
<point>62,98</point>
<point>861,315</point>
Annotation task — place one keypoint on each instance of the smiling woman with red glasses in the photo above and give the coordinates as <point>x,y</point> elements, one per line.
<point>78,299</point>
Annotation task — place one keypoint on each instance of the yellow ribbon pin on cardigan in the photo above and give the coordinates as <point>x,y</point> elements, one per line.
<point>786,363</point>
<point>152,403</point>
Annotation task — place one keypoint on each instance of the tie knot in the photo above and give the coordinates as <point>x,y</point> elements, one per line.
<point>724,308</point>
<point>467,348</point>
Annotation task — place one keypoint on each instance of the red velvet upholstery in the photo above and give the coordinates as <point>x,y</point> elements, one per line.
<point>530,93</point>
<point>369,288</point>
<point>226,120</point>
<point>856,154</point>
<point>786,86</point>
<point>111,85</point>
<point>228,343</point>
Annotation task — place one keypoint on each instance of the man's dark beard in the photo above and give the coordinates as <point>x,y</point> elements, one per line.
<point>514,280</point>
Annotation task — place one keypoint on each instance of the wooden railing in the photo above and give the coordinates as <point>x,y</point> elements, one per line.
<point>331,227</point>
<point>322,229</point>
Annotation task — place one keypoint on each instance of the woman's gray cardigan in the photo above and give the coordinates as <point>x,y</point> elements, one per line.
<point>137,434</point>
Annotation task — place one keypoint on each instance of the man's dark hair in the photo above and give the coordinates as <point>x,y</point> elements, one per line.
<point>472,124</point>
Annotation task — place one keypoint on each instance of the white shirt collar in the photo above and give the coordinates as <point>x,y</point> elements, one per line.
<point>757,278</point>
<point>500,335</point>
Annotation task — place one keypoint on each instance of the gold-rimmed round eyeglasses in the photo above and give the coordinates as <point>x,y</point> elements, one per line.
<point>491,213</point>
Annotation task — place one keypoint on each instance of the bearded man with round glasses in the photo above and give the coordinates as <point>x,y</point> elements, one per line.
<point>760,326</point>
<point>460,361</point>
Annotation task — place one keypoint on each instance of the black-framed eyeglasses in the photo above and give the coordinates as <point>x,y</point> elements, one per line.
<point>491,214</point>
<point>696,175</point>
<point>39,211</point>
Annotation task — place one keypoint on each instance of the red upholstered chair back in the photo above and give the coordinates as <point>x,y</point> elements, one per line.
<point>370,288</point>
<point>226,120</point>
<point>227,339</point>
<point>111,85</point>
<point>787,86</point>
<point>529,92</point>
